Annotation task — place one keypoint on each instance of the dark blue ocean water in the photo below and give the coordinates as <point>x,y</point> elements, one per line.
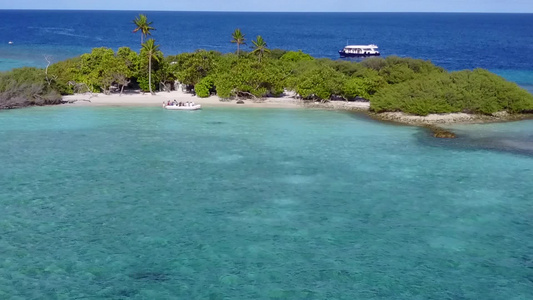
<point>502,43</point>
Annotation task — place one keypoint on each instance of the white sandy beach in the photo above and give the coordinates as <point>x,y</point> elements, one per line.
<point>146,99</point>
<point>288,102</point>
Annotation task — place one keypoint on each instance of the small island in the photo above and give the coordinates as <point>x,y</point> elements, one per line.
<point>404,90</point>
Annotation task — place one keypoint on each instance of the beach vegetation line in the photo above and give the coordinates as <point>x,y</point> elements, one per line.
<point>390,84</point>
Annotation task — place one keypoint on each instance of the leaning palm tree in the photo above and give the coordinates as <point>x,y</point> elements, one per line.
<point>260,47</point>
<point>150,49</point>
<point>143,26</point>
<point>238,38</point>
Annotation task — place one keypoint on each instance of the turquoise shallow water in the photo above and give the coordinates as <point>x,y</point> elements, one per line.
<point>524,78</point>
<point>142,203</point>
<point>514,137</point>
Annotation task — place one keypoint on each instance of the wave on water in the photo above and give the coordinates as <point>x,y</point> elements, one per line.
<point>59,31</point>
<point>210,47</point>
<point>50,28</point>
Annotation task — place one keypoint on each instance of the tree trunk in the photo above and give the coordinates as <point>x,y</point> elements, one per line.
<point>238,49</point>
<point>121,90</point>
<point>150,73</point>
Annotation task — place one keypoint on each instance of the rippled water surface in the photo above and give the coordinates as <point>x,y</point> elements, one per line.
<point>142,203</point>
<point>453,40</point>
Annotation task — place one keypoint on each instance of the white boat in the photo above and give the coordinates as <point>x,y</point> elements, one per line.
<point>359,51</point>
<point>10,42</point>
<point>176,107</point>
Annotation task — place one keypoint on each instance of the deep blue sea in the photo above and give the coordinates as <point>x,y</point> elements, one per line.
<point>502,43</point>
<point>241,203</point>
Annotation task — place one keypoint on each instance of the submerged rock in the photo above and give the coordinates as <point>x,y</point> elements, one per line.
<point>149,276</point>
<point>443,134</point>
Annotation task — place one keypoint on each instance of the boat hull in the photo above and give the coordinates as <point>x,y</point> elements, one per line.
<point>343,54</point>
<point>175,107</point>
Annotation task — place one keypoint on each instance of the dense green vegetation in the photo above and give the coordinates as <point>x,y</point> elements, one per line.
<point>26,86</point>
<point>390,84</point>
<point>477,91</point>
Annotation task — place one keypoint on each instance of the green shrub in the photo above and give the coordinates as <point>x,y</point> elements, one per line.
<point>347,68</point>
<point>320,82</point>
<point>190,68</point>
<point>296,56</point>
<point>477,91</point>
<point>276,53</point>
<point>143,84</point>
<point>26,86</point>
<point>374,63</point>
<point>356,87</point>
<point>246,77</point>
<point>398,70</point>
<point>204,88</point>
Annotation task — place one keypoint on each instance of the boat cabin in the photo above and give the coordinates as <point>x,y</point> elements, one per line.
<point>360,50</point>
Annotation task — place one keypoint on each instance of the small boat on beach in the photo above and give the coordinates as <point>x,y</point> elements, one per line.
<point>359,51</point>
<point>190,107</point>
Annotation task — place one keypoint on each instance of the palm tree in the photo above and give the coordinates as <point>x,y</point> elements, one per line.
<point>238,38</point>
<point>260,47</point>
<point>150,49</point>
<point>143,26</point>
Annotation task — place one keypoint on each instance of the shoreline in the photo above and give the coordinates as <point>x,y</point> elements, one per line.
<point>434,120</point>
<point>148,100</point>
<point>288,102</point>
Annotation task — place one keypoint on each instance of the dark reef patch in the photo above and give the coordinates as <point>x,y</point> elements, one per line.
<point>516,144</point>
<point>150,276</point>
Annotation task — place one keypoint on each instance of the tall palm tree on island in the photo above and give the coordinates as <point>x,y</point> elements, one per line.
<point>238,38</point>
<point>143,26</point>
<point>260,47</point>
<point>150,49</point>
